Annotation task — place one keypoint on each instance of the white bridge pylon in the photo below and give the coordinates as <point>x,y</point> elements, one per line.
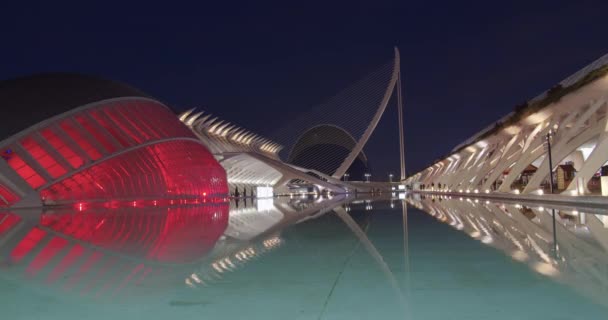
<point>394,84</point>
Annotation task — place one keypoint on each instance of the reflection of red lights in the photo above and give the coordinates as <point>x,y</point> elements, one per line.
<point>7,197</point>
<point>172,234</point>
<point>8,221</point>
<point>27,244</point>
<point>99,252</point>
<point>53,247</point>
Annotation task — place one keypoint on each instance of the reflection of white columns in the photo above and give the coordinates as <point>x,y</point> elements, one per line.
<point>597,227</point>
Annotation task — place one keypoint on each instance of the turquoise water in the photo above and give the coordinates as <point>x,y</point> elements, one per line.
<point>290,261</point>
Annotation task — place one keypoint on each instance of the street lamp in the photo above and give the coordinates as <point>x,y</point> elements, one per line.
<point>548,137</point>
<point>390,177</point>
<point>367,176</point>
<point>346,175</point>
<point>548,144</point>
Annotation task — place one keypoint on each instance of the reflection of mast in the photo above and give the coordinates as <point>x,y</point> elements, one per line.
<point>371,249</point>
<point>406,246</point>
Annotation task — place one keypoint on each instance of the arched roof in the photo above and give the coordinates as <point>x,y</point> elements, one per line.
<point>324,134</point>
<point>25,101</point>
<point>324,148</point>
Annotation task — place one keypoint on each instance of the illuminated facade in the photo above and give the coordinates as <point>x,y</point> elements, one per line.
<point>323,145</point>
<point>111,142</point>
<point>510,157</point>
<point>250,160</point>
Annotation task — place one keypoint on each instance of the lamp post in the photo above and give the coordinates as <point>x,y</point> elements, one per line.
<point>548,137</point>
<point>346,175</point>
<point>367,176</point>
<point>390,177</point>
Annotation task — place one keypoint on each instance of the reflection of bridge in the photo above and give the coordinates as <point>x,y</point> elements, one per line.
<point>510,157</point>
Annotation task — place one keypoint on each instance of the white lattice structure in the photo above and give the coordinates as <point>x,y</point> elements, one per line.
<point>251,160</point>
<point>512,157</point>
<point>222,136</point>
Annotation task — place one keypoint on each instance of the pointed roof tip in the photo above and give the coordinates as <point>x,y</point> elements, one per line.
<point>185,114</point>
<point>192,117</point>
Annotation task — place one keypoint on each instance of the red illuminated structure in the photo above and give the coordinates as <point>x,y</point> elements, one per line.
<point>87,139</point>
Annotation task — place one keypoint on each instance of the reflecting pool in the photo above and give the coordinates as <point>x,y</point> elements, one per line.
<point>306,258</point>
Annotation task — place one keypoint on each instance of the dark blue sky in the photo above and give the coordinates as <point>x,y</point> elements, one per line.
<point>465,64</point>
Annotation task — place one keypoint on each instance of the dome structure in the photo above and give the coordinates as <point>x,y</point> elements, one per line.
<point>75,138</point>
<point>324,148</point>
<point>32,99</point>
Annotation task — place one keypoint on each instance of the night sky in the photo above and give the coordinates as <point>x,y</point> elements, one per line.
<point>465,64</point>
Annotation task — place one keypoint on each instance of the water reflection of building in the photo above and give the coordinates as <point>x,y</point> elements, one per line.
<point>95,252</point>
<point>133,251</point>
<point>255,231</point>
<point>525,233</point>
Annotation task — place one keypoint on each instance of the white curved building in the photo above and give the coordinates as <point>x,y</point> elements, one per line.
<point>510,157</point>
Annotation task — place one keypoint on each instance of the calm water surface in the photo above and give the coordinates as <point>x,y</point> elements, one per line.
<point>306,259</point>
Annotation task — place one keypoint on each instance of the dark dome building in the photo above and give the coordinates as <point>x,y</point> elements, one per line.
<point>46,95</point>
<point>324,148</point>
<point>75,138</point>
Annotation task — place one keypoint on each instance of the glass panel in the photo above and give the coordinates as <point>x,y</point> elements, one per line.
<point>80,139</point>
<point>59,145</point>
<point>88,124</point>
<point>45,160</point>
<point>26,172</point>
<point>107,124</point>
